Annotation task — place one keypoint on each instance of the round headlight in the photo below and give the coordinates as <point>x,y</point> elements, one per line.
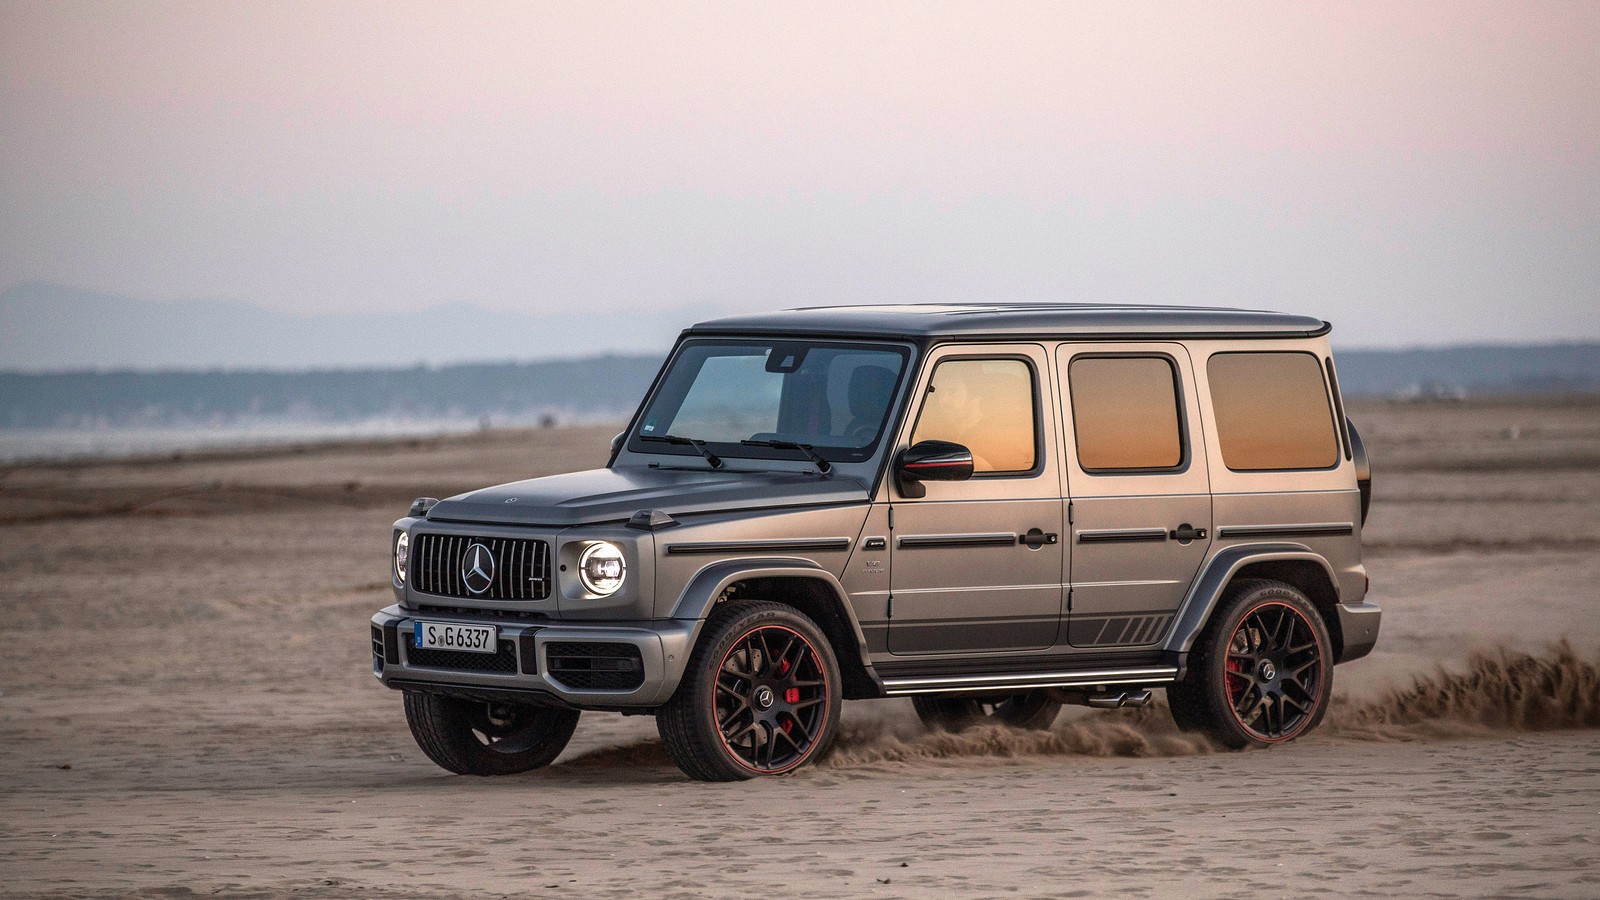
<point>402,554</point>
<point>601,568</point>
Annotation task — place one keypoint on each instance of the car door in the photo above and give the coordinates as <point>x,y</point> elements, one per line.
<point>976,565</point>
<point>1140,502</point>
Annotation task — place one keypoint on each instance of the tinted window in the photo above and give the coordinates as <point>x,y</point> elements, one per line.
<point>1125,411</point>
<point>985,405</point>
<point>1272,411</point>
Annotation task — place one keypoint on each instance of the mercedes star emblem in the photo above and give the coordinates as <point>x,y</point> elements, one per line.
<point>477,569</point>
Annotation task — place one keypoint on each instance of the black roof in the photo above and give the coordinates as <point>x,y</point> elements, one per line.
<point>1018,320</point>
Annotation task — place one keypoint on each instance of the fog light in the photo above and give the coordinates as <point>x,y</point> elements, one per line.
<point>601,568</point>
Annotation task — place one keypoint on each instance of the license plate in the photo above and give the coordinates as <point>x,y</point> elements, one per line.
<point>449,636</point>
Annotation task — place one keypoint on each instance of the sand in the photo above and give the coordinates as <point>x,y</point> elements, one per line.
<point>186,706</point>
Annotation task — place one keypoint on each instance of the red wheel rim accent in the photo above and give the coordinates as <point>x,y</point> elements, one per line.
<point>770,699</point>
<point>1272,672</point>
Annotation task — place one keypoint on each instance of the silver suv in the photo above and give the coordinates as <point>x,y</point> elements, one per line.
<point>991,509</point>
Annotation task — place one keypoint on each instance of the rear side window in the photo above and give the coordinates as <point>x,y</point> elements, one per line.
<point>987,406</point>
<point>1125,412</point>
<point>1272,411</point>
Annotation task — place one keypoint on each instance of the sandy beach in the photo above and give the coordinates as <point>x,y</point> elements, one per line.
<point>186,706</point>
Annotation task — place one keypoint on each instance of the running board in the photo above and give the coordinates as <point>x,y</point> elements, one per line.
<point>895,687</point>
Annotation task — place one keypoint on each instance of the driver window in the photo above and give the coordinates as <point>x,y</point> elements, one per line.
<point>986,405</point>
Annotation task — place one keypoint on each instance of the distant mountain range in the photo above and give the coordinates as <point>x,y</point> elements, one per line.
<point>596,388</point>
<point>1471,369</point>
<point>46,327</point>
<point>608,387</point>
<point>277,371</point>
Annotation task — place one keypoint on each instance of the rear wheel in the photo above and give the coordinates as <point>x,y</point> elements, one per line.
<point>1262,671</point>
<point>471,737</point>
<point>760,696</point>
<point>1033,710</point>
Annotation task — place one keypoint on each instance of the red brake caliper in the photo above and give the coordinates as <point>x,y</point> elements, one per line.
<point>1234,667</point>
<point>790,695</point>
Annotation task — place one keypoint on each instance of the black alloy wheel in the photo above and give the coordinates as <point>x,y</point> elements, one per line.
<point>760,697</point>
<point>472,737</point>
<point>1031,710</point>
<point>1261,673</point>
<point>1273,671</point>
<point>770,698</point>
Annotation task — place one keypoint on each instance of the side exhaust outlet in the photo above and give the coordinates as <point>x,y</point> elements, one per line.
<point>1106,700</point>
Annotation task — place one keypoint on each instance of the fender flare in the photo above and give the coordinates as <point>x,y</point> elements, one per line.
<point>1213,580</point>
<point>702,591</point>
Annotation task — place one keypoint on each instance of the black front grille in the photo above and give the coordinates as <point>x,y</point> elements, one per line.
<point>521,567</point>
<point>590,666</point>
<point>504,660</point>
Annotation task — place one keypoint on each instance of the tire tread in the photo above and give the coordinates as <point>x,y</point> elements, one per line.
<point>958,713</point>
<point>438,726</point>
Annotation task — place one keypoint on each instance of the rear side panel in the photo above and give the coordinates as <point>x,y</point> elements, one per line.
<point>1312,513</point>
<point>1319,508</point>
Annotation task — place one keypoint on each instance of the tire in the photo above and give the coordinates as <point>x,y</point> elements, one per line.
<point>471,737</point>
<point>1030,710</point>
<point>1185,707</point>
<point>1262,671</point>
<point>760,696</point>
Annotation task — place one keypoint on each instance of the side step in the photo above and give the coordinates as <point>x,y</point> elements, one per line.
<point>1096,681</point>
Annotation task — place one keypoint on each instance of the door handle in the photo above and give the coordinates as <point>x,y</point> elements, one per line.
<point>1035,538</point>
<point>1185,533</point>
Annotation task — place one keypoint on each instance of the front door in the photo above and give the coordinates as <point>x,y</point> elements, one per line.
<point>977,564</point>
<point>1140,495</point>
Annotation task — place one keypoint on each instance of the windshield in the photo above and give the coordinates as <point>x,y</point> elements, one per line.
<point>832,397</point>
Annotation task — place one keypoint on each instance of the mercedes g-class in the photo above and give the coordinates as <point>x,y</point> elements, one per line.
<point>991,509</point>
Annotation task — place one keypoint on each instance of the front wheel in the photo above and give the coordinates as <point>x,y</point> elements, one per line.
<point>471,737</point>
<point>1262,671</point>
<point>760,696</point>
<point>1030,710</point>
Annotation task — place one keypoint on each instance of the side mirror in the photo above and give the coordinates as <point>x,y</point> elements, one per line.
<point>616,442</point>
<point>931,461</point>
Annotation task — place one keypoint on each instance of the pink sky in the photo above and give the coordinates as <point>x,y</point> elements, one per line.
<point>1352,160</point>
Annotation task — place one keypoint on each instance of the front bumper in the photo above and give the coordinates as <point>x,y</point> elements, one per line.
<point>662,645</point>
<point>1358,622</point>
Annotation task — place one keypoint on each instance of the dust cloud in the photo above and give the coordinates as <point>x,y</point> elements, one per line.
<point>1498,691</point>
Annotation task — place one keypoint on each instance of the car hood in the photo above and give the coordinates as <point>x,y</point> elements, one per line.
<point>610,495</point>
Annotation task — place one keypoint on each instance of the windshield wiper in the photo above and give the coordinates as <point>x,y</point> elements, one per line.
<point>823,465</point>
<point>696,443</point>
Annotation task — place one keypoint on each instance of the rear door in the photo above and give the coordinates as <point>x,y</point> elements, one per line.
<point>1140,502</point>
